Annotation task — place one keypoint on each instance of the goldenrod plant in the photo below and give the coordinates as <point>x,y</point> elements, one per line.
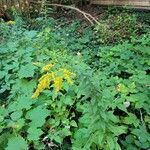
<point>53,77</point>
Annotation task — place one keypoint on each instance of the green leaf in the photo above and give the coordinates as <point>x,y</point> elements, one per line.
<point>110,142</point>
<point>24,102</point>
<point>68,100</point>
<point>17,143</point>
<point>26,71</point>
<point>100,138</point>
<point>23,87</point>
<point>34,133</point>
<point>58,139</point>
<point>30,34</point>
<point>2,74</point>
<point>1,118</point>
<point>16,115</point>
<point>65,132</point>
<point>37,116</point>
<point>112,117</point>
<point>4,140</point>
<point>130,139</point>
<point>73,123</point>
<point>117,146</point>
<point>117,130</point>
<point>131,119</point>
<point>20,123</point>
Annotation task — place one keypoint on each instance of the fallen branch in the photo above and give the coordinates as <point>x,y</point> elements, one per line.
<point>88,16</point>
<point>142,120</point>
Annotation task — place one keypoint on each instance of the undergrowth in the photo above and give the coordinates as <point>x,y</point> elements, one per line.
<point>62,87</point>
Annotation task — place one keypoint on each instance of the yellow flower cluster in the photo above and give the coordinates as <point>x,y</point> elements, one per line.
<point>58,83</point>
<point>47,67</point>
<point>44,82</point>
<point>67,75</point>
<point>122,88</point>
<point>52,76</point>
<point>11,22</point>
<point>119,87</point>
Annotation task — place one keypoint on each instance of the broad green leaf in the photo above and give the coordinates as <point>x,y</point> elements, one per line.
<point>58,139</point>
<point>30,34</point>
<point>68,100</point>
<point>3,113</point>
<point>117,130</point>
<point>110,142</point>
<point>34,133</point>
<point>117,146</point>
<point>24,102</point>
<point>73,123</point>
<point>38,116</point>
<point>2,74</point>
<point>26,71</point>
<point>17,143</point>
<point>112,117</point>
<point>130,139</point>
<point>20,123</point>
<point>23,87</point>
<point>131,119</point>
<point>4,140</point>
<point>16,115</point>
<point>1,118</point>
<point>65,132</point>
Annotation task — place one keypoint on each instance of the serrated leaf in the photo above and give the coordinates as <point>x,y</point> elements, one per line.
<point>16,115</point>
<point>4,140</point>
<point>68,100</point>
<point>26,71</point>
<point>1,118</point>
<point>37,116</point>
<point>65,132</point>
<point>110,142</point>
<point>131,119</point>
<point>30,34</point>
<point>117,130</point>
<point>2,74</point>
<point>24,102</point>
<point>17,143</point>
<point>23,87</point>
<point>34,134</point>
<point>117,146</point>
<point>73,123</point>
<point>58,139</point>
<point>20,123</point>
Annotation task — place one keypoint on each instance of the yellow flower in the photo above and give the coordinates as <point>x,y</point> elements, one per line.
<point>44,83</point>
<point>11,22</point>
<point>119,88</point>
<point>58,83</point>
<point>35,94</point>
<point>122,88</point>
<point>47,67</point>
<point>52,76</point>
<point>67,75</point>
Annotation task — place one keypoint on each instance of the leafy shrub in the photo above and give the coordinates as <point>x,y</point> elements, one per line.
<point>116,115</point>
<point>117,28</point>
<point>48,120</point>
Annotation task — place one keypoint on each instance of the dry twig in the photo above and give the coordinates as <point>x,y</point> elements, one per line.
<point>88,16</point>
